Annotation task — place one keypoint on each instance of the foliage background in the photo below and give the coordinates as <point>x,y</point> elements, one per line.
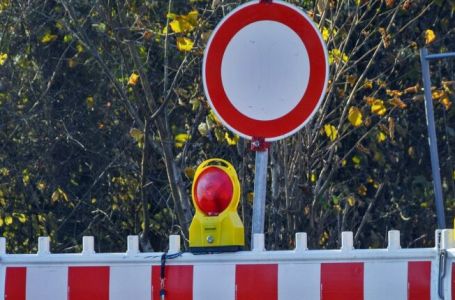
<point>103,121</point>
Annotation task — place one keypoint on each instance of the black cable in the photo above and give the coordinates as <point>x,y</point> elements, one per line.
<point>164,257</point>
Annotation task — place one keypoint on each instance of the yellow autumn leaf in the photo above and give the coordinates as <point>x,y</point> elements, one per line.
<point>48,38</point>
<point>41,218</point>
<point>193,17</point>
<point>412,89</point>
<point>368,84</point>
<point>356,160</point>
<point>430,36</point>
<point>1,222</point>
<point>324,237</point>
<point>41,185</point>
<point>184,44</point>
<point>313,177</point>
<point>90,101</point>
<point>381,137</point>
<point>80,48</point>
<point>4,171</point>
<point>136,134</point>
<point>446,102</point>
<point>180,139</point>
<point>133,80</point>
<point>67,38</point>
<point>189,172</point>
<point>58,195</point>
<point>362,190</point>
<point>355,116</point>
<point>351,200</point>
<point>393,93</point>
<point>171,16</point>
<point>231,141</point>
<point>325,34</point>
<point>330,131</point>
<point>181,25</point>
<point>212,115</point>
<point>449,86</point>
<point>436,94</point>
<point>8,220</point>
<point>25,177</point>
<point>378,108</point>
<point>397,102</point>
<point>21,217</point>
<point>250,197</point>
<point>184,23</point>
<point>4,4</point>
<point>3,57</point>
<point>336,56</point>
<point>351,79</point>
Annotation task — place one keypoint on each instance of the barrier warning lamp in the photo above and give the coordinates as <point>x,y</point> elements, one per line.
<point>216,225</point>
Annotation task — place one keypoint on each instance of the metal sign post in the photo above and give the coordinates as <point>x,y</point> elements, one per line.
<point>432,140</point>
<point>260,186</point>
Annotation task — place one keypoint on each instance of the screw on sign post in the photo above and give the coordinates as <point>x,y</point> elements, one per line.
<point>265,72</point>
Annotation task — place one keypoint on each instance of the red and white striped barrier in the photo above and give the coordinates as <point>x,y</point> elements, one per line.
<point>347,273</point>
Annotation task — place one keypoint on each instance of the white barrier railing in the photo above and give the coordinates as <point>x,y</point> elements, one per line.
<point>393,270</point>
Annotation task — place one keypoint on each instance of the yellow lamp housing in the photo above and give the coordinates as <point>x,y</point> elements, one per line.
<point>216,225</point>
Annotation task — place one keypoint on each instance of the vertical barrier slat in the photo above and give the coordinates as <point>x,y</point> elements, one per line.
<point>47,282</point>
<point>393,240</point>
<point>15,283</point>
<point>132,245</point>
<point>256,282</point>
<point>299,281</point>
<point>419,280</point>
<point>174,243</point>
<point>43,245</point>
<point>88,283</point>
<point>342,281</point>
<point>301,241</point>
<point>2,246</point>
<point>130,282</point>
<point>214,281</point>
<point>347,241</point>
<point>385,280</point>
<point>178,284</point>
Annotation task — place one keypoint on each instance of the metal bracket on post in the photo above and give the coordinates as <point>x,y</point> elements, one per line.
<point>261,147</point>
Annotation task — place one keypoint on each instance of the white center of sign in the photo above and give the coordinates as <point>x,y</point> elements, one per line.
<point>265,70</point>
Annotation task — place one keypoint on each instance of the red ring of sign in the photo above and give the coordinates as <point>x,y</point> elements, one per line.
<point>297,117</point>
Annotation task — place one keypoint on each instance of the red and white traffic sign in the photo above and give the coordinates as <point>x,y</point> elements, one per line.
<point>265,70</point>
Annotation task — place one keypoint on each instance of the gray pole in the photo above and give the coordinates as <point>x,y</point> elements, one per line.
<point>435,169</point>
<point>260,184</point>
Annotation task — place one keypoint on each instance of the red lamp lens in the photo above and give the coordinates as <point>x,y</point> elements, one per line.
<point>213,191</point>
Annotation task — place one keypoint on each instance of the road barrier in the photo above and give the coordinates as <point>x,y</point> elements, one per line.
<point>345,273</point>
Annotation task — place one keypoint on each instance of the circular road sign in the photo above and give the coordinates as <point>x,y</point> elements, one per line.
<point>265,70</point>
